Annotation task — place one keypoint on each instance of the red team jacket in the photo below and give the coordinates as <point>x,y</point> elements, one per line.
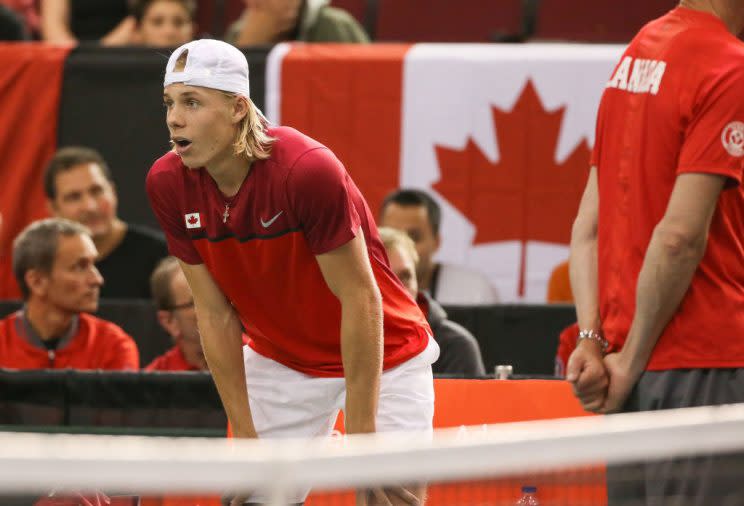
<point>97,344</point>
<point>171,360</point>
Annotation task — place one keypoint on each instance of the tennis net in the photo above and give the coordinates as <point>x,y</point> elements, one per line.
<point>572,462</point>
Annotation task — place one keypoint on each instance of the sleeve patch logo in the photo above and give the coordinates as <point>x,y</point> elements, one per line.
<point>733,138</point>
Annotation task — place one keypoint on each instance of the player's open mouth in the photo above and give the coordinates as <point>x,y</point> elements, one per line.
<point>181,144</point>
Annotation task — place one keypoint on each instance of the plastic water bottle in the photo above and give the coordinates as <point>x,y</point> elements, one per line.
<point>529,497</point>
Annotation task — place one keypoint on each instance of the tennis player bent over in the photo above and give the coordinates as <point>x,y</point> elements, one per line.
<point>274,236</point>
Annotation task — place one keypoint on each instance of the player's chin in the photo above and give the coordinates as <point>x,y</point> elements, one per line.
<point>191,161</point>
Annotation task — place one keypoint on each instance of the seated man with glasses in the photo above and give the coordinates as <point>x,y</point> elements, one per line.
<point>175,305</point>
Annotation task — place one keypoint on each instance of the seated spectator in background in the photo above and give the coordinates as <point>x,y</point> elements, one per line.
<point>11,25</point>
<point>176,314</point>
<point>559,285</point>
<point>416,213</point>
<point>164,23</point>
<point>54,265</point>
<point>70,21</point>
<point>459,350</point>
<point>79,187</point>
<point>27,12</point>
<point>270,21</point>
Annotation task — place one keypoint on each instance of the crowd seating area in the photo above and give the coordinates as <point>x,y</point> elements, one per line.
<point>523,336</point>
<point>477,20</point>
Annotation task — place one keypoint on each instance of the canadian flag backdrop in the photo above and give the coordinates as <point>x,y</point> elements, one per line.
<point>500,135</point>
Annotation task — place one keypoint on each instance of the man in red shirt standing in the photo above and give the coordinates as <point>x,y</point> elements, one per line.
<point>657,251</point>
<point>274,237</point>
<point>54,264</point>
<point>176,314</point>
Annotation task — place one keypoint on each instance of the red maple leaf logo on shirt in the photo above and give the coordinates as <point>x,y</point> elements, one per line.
<point>193,220</point>
<point>526,195</point>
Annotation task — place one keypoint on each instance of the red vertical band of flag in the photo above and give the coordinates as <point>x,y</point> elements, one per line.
<point>30,85</point>
<point>349,98</point>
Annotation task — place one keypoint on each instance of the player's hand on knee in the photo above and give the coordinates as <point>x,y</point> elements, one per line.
<point>402,496</point>
<point>234,499</point>
<point>389,496</point>
<point>373,497</point>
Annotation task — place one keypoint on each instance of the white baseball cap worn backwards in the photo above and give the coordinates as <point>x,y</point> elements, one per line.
<point>210,64</point>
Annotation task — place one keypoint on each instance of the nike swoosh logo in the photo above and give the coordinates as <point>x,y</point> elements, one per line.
<point>267,224</point>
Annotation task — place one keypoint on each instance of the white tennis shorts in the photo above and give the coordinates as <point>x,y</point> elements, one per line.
<point>289,404</point>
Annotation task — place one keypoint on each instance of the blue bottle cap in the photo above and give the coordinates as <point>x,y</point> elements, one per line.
<point>529,489</point>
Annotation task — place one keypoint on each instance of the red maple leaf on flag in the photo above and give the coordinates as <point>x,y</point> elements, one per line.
<point>192,220</point>
<point>526,195</point>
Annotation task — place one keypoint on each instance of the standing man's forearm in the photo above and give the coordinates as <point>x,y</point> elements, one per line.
<point>583,268</point>
<point>666,274</point>
<point>584,284</point>
<point>222,341</point>
<point>362,350</point>
<point>676,248</point>
<point>585,369</point>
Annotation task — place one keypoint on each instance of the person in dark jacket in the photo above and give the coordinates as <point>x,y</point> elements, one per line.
<point>459,353</point>
<point>271,21</point>
<point>11,26</point>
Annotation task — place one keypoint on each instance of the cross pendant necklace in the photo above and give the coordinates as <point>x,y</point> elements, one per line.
<point>226,214</point>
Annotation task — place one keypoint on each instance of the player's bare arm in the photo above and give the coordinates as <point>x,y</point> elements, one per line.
<point>585,369</point>
<point>676,248</point>
<point>348,274</point>
<point>221,335</point>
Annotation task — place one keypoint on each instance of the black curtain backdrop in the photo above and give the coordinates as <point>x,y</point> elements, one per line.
<point>112,101</point>
<point>174,402</point>
<point>524,336</point>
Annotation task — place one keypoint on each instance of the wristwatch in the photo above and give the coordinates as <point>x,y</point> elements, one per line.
<point>593,335</point>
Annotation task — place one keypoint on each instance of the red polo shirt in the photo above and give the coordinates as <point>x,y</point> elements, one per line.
<point>96,344</point>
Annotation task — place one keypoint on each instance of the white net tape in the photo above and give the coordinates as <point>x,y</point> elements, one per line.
<point>40,462</point>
